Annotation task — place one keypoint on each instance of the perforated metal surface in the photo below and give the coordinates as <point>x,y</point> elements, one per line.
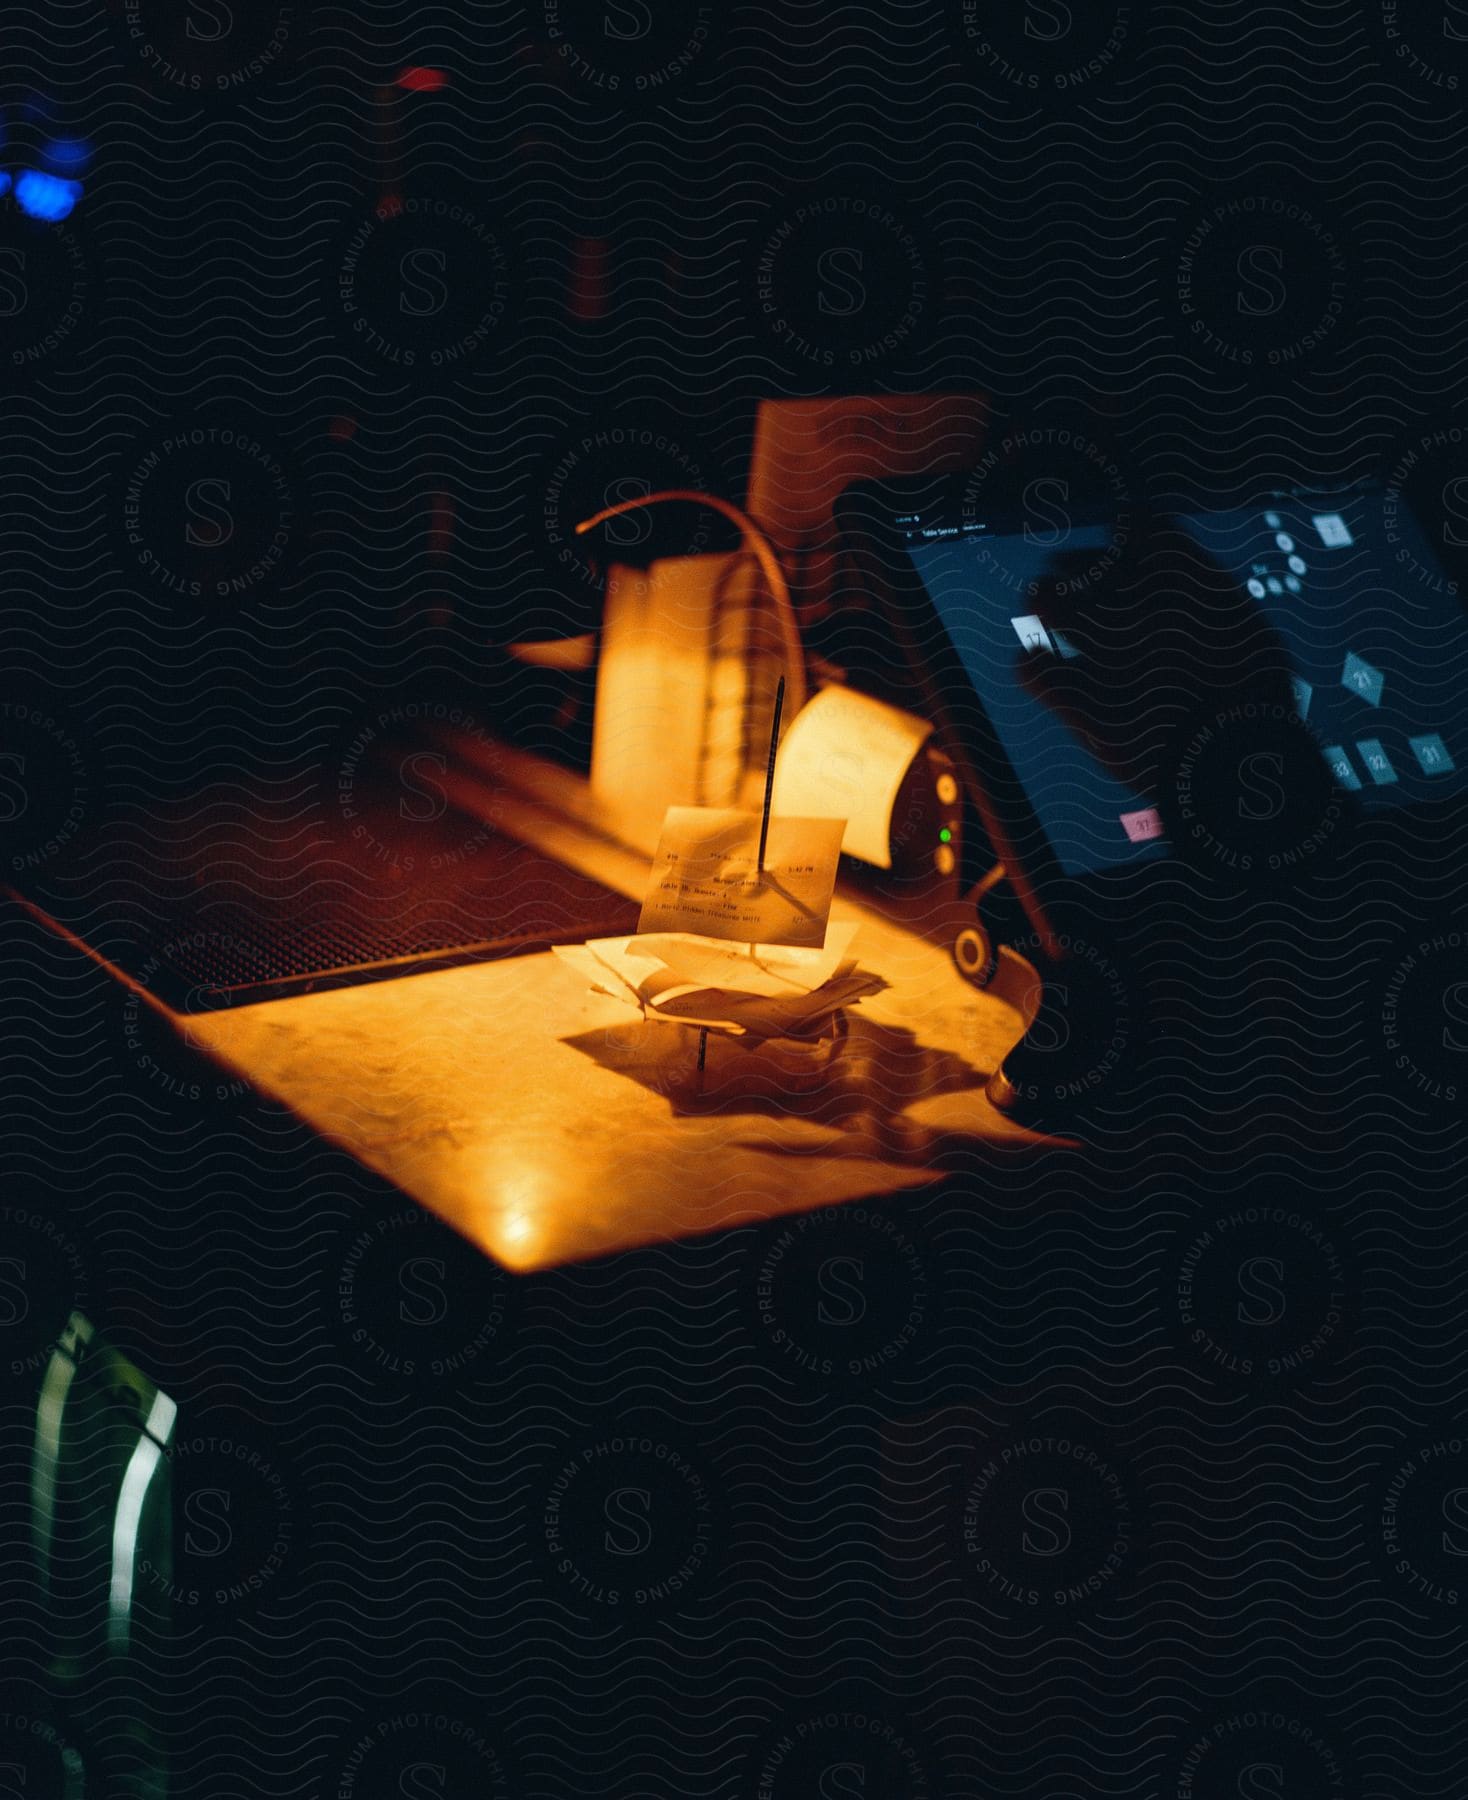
<point>240,906</point>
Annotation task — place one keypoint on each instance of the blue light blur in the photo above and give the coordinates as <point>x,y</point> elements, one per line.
<point>4,182</point>
<point>69,155</point>
<point>45,196</point>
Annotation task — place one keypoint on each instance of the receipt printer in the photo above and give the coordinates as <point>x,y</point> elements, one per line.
<point>848,756</point>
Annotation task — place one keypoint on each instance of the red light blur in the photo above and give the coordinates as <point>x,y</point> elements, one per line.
<point>423,81</point>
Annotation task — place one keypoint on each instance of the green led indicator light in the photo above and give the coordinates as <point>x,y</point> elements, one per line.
<point>945,836</point>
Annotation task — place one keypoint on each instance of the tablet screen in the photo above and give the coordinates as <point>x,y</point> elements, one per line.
<point>1374,633</point>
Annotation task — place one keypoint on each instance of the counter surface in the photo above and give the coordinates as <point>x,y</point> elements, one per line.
<point>549,1124</point>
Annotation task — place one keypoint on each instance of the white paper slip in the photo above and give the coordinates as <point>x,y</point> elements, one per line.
<point>651,967</point>
<point>597,972</point>
<point>768,969</point>
<point>760,990</point>
<point>845,756</point>
<point>706,878</point>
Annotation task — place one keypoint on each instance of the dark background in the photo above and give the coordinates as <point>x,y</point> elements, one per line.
<point>1024,201</point>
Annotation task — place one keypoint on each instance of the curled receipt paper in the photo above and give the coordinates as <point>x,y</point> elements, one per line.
<point>754,991</point>
<point>844,757</point>
<point>727,945</point>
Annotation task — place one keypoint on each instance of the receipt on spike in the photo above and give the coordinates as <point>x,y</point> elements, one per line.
<point>706,877</point>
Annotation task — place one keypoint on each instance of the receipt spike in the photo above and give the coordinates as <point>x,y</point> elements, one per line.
<point>764,830</point>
